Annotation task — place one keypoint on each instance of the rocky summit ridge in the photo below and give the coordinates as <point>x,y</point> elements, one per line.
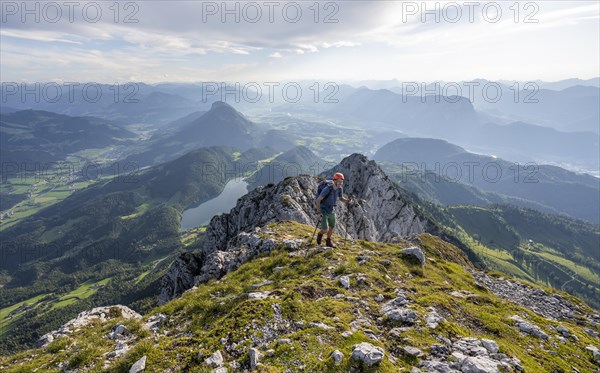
<point>379,213</point>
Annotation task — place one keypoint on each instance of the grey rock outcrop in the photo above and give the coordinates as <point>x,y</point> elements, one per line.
<point>382,213</point>
<point>397,302</point>
<point>433,320</point>
<point>84,318</point>
<point>415,252</point>
<point>564,331</point>
<point>404,315</point>
<point>259,295</point>
<point>490,346</point>
<point>255,357</point>
<point>120,349</point>
<point>528,328</point>
<point>468,355</point>
<point>337,357</point>
<point>179,277</point>
<point>215,360</point>
<point>479,364</point>
<point>412,351</point>
<point>345,282</point>
<point>595,352</point>
<point>552,306</point>
<point>379,212</point>
<point>118,331</point>
<point>367,353</point>
<point>138,366</point>
<point>155,322</point>
<point>393,310</point>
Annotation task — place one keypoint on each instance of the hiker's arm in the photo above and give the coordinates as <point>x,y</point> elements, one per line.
<point>345,199</point>
<point>318,203</point>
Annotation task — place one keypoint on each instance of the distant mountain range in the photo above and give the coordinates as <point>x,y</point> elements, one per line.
<point>294,162</point>
<point>40,137</point>
<point>455,119</point>
<point>573,109</point>
<point>396,85</point>
<point>222,125</point>
<point>126,103</point>
<point>544,187</point>
<point>446,116</point>
<point>525,142</point>
<point>566,83</point>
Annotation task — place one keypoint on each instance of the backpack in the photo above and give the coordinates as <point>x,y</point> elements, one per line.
<point>322,185</point>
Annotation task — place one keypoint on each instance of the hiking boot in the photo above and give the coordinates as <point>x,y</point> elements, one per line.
<point>319,238</point>
<point>329,243</point>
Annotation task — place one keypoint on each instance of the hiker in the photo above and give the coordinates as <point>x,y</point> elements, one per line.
<point>326,202</point>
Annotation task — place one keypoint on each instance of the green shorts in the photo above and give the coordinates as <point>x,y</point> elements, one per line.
<point>328,220</point>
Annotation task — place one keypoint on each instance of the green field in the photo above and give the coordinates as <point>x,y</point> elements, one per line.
<point>84,291</point>
<point>145,273</point>
<point>503,261</point>
<point>580,270</point>
<point>140,210</point>
<point>6,320</point>
<point>4,312</point>
<point>45,191</point>
<point>499,260</point>
<point>46,302</point>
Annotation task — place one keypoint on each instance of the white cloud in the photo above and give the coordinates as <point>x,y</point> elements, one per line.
<point>307,48</point>
<point>370,39</point>
<point>46,36</point>
<point>339,44</point>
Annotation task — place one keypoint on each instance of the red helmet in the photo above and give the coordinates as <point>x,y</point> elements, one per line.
<point>338,176</point>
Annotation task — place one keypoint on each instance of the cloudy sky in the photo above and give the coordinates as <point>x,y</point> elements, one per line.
<point>157,41</point>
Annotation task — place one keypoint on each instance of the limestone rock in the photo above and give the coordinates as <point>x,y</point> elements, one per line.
<point>595,352</point>
<point>179,277</point>
<point>337,357</point>
<point>255,357</point>
<point>404,315</point>
<point>367,353</point>
<point>479,364</point>
<point>84,318</point>
<point>345,282</point>
<point>528,328</point>
<point>490,345</point>
<point>259,295</point>
<point>139,365</point>
<point>154,322</point>
<point>415,252</point>
<point>412,351</point>
<point>553,307</point>
<point>433,320</point>
<point>215,360</point>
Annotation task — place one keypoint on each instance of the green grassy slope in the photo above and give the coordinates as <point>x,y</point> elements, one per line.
<point>305,289</point>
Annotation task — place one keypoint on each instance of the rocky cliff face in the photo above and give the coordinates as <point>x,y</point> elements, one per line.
<point>378,213</point>
<point>382,214</point>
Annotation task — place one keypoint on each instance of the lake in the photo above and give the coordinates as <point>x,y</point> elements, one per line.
<point>224,202</point>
